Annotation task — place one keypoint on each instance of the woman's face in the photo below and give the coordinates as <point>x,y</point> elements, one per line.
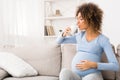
<point>81,22</point>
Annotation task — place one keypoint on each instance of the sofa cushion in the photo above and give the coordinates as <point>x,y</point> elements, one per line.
<point>44,57</point>
<point>68,52</point>
<point>15,65</point>
<point>33,78</point>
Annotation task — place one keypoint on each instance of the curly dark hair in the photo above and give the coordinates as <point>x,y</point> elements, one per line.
<point>92,14</point>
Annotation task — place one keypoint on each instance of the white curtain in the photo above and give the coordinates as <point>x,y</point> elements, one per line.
<point>17,19</point>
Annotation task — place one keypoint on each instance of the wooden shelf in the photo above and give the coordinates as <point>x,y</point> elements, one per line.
<point>67,10</point>
<point>49,0</point>
<point>50,36</point>
<point>59,17</point>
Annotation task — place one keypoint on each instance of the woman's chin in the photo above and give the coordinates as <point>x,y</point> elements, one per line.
<point>81,29</point>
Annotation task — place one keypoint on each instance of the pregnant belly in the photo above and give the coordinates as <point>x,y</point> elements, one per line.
<point>84,56</point>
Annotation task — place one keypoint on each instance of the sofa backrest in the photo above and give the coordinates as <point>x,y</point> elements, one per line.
<point>68,52</point>
<point>45,58</point>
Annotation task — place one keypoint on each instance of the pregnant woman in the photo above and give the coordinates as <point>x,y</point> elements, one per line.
<point>91,43</point>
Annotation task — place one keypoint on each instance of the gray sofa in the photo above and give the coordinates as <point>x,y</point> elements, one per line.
<point>48,59</point>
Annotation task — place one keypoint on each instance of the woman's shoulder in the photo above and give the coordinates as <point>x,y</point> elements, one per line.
<point>103,39</point>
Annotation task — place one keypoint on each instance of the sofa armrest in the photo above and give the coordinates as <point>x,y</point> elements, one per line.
<point>118,72</point>
<point>118,50</point>
<point>118,58</point>
<point>3,74</point>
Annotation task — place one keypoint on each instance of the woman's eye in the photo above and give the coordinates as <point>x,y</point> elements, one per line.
<point>81,19</point>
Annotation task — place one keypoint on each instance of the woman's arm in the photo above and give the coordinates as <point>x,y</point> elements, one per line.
<point>64,38</point>
<point>112,61</point>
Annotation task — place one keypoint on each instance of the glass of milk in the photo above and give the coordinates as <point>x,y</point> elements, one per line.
<point>74,29</point>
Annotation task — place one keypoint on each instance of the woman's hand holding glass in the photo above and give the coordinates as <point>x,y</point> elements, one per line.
<point>66,32</point>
